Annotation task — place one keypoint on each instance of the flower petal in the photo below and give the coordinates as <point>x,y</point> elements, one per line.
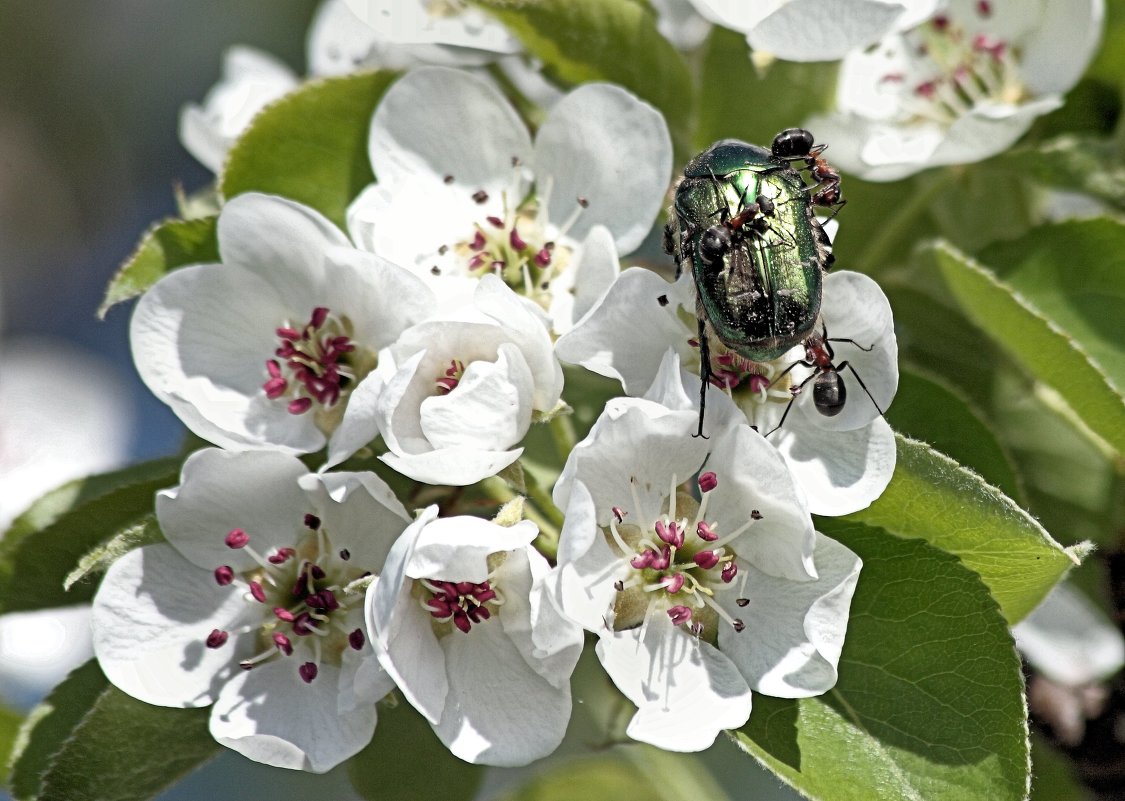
<point>593,270</point>
<point>270,715</point>
<point>823,30</point>
<point>362,513</point>
<point>457,548</point>
<point>580,584</point>
<point>686,691</point>
<point>603,144</point>
<point>840,471</point>
<point>794,630</point>
<point>151,618</point>
<point>457,467</point>
<point>1060,46</point>
<point>435,122</point>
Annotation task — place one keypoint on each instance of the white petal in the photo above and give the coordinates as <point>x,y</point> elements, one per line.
<point>1060,46</point>
<point>556,640</point>
<point>593,270</point>
<point>680,23</point>
<point>280,240</point>
<point>362,514</point>
<point>256,491</point>
<point>200,338</point>
<point>338,42</point>
<point>435,122</point>
<point>840,471</point>
<point>151,618</point>
<point>582,583</point>
<point>752,476</point>
<point>270,715</point>
<point>501,711</point>
<point>794,630</point>
<point>638,448</point>
<point>1070,640</point>
<point>685,690</point>
<point>401,632</point>
<point>627,334</point>
<point>457,548</point>
<point>413,22</point>
<point>603,144</point>
<point>823,30</point>
<point>456,467</point>
<point>360,423</point>
<point>990,129</point>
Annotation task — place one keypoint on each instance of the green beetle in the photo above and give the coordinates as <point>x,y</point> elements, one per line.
<point>743,220</point>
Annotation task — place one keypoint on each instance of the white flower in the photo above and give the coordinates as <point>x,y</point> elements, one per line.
<point>459,620</point>
<point>468,34</point>
<point>245,606</point>
<point>463,393</point>
<point>696,564</point>
<point>843,462</point>
<point>959,88</point>
<point>251,81</point>
<point>814,30</point>
<point>456,169</point>
<point>265,349</point>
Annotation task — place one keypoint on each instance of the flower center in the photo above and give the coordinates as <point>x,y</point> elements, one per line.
<point>457,603</point>
<point>760,389</point>
<point>317,364</point>
<point>299,591</point>
<point>448,381</point>
<point>676,565</point>
<point>958,68</point>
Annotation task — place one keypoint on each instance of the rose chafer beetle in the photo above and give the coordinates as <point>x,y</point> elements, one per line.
<point>743,221</point>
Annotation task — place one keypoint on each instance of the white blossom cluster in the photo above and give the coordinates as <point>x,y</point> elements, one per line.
<point>433,331</point>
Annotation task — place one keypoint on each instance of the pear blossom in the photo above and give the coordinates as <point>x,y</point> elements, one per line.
<point>463,392</point>
<point>469,36</point>
<point>246,606</point>
<point>458,618</point>
<point>251,80</point>
<point>696,563</point>
<point>843,462</point>
<point>814,30</point>
<point>265,349</point>
<point>463,191</point>
<point>960,87</point>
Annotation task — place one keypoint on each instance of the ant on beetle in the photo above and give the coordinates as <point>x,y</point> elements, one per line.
<point>717,240</point>
<point>796,144</point>
<point>829,391</point>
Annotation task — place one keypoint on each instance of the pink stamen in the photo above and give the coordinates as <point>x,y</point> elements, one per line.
<point>223,575</point>
<point>257,591</point>
<point>679,615</point>
<point>674,583</point>
<point>307,672</point>
<point>283,643</point>
<point>705,532</point>
<point>356,640</point>
<point>516,240</point>
<point>236,538</point>
<point>708,481</point>
<point>706,559</point>
<point>729,572</point>
<point>217,638</point>
<point>543,257</point>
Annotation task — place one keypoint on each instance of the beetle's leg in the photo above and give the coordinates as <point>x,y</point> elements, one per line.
<point>863,386</point>
<point>704,374</point>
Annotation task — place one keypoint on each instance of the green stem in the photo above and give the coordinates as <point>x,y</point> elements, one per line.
<point>902,221</point>
<point>541,512</point>
<point>562,431</point>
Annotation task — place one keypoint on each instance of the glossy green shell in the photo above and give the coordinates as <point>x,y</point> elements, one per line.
<point>764,297</point>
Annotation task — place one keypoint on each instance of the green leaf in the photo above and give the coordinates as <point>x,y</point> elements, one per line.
<point>739,101</point>
<point>1074,273</point>
<point>311,145</point>
<point>933,498</point>
<point>122,749</point>
<point>633,771</point>
<point>406,761</point>
<point>10,724</point>
<point>579,41</point>
<point>1073,163</point>
<point>48,726</point>
<point>1054,775</point>
<point>48,540</point>
<point>146,531</point>
<point>929,703</point>
<point>1036,343</point>
<point>166,245</point>
<point>929,408</point>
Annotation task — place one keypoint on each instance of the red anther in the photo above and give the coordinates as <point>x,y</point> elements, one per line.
<point>283,555</point>
<point>484,596</point>
<point>516,241</point>
<point>283,643</point>
<point>643,560</point>
<point>287,333</point>
<point>284,614</point>
<point>480,196</point>
<point>984,8</point>
<point>300,405</point>
<point>738,624</point>
<point>495,222</point>
<point>317,572</point>
<point>345,554</point>
<point>307,672</point>
<point>273,368</point>
<point>941,22</point>
<point>926,89</point>
<point>465,587</point>
<point>704,531</point>
<point>679,614</point>
<point>303,624</point>
<point>476,261</point>
<point>618,514</point>
<point>236,538</point>
<point>758,383</point>
<point>319,315</point>
<point>461,621</point>
<point>708,481</point>
<point>478,613</point>
<point>223,575</point>
<point>660,561</point>
<point>674,583</point>
<point>706,559</point>
<point>257,591</point>
<point>543,257</point>
<point>356,639</point>
<point>478,242</point>
<point>217,638</point>
<point>729,572</point>
<point>275,388</point>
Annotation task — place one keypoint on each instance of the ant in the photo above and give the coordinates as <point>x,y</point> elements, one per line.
<point>829,391</point>
<point>717,240</point>
<point>796,144</point>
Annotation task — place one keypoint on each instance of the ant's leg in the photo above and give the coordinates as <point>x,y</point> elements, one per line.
<point>836,208</point>
<point>862,386</point>
<point>851,342</point>
<point>704,374</point>
<point>793,400</point>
